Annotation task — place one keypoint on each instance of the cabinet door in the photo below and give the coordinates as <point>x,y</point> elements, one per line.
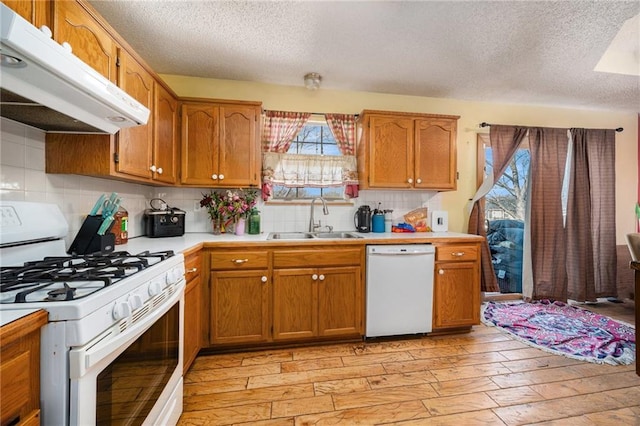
<point>165,137</point>
<point>390,152</point>
<point>89,40</point>
<point>340,301</point>
<point>456,294</point>
<point>192,324</point>
<point>38,12</point>
<point>238,154</point>
<point>435,154</point>
<point>295,301</point>
<point>135,144</point>
<point>239,306</point>
<point>199,144</point>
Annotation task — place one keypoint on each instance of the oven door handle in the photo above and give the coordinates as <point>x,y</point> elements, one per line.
<point>102,350</point>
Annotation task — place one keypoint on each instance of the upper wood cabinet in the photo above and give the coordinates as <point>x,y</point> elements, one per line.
<point>38,12</point>
<point>166,142</point>
<point>407,151</point>
<point>78,25</point>
<point>143,154</point>
<point>220,143</point>
<point>135,144</point>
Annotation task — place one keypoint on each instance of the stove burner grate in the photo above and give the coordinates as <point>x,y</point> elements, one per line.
<point>52,274</point>
<point>62,293</point>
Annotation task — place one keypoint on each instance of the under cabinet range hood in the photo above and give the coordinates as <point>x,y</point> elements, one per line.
<point>45,86</point>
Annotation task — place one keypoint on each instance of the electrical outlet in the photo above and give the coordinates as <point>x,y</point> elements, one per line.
<point>197,207</point>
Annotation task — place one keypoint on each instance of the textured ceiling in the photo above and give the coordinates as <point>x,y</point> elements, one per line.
<point>521,52</point>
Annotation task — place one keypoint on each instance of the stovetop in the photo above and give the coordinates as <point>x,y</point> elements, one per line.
<point>69,278</point>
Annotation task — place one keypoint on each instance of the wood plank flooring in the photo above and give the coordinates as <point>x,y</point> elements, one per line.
<point>484,377</point>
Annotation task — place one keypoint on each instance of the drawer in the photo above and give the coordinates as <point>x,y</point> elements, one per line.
<point>457,252</point>
<point>234,260</point>
<point>192,265</point>
<point>15,376</point>
<point>316,258</point>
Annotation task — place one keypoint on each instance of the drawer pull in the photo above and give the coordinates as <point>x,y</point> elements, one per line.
<point>192,270</point>
<point>239,261</point>
<point>457,254</point>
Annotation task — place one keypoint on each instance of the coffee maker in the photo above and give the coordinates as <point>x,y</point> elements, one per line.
<point>362,219</point>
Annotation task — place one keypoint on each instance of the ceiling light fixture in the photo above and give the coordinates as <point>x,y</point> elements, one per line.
<point>312,81</point>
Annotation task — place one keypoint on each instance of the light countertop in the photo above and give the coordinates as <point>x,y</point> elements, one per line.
<point>191,240</point>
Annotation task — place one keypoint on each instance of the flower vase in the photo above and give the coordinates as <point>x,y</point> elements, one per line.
<point>240,226</point>
<point>217,226</point>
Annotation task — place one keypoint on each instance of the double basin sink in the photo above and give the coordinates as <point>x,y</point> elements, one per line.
<point>310,235</point>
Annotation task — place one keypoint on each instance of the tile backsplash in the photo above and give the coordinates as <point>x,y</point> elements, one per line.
<point>23,177</point>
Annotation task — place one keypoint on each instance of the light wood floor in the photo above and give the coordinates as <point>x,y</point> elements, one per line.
<point>481,378</point>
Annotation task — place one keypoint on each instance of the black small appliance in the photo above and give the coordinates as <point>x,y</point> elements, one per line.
<point>362,219</point>
<point>162,220</point>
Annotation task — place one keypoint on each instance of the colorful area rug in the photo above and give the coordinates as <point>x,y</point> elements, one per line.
<point>564,330</point>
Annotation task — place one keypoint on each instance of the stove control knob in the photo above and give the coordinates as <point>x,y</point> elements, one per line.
<point>135,301</point>
<point>174,275</point>
<point>154,288</point>
<point>121,310</point>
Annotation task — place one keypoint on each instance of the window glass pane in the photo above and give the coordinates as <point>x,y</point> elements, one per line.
<point>315,138</point>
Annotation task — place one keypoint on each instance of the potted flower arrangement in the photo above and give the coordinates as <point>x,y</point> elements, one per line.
<point>229,208</point>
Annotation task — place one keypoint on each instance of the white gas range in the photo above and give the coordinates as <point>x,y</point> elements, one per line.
<point>112,350</point>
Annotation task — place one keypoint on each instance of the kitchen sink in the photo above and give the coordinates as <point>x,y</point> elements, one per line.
<point>289,236</point>
<point>336,235</point>
<point>309,235</point>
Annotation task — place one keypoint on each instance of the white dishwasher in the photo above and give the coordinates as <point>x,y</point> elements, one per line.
<point>399,289</point>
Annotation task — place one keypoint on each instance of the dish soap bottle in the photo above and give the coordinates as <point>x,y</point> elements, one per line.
<point>121,226</point>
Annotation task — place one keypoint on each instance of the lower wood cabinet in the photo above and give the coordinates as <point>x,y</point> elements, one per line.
<point>20,370</point>
<point>266,296</point>
<point>239,307</point>
<point>316,302</point>
<point>239,297</point>
<point>456,286</point>
<point>192,308</point>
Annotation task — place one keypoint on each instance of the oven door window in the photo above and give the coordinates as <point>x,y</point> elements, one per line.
<point>128,388</point>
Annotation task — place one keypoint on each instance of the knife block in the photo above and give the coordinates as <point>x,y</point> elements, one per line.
<point>87,241</point>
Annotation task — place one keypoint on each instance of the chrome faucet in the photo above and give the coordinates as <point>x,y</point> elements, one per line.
<point>325,210</point>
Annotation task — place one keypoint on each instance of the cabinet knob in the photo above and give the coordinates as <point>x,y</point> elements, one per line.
<point>457,254</point>
<point>418,180</point>
<point>239,261</point>
<point>321,277</point>
<point>314,277</point>
<point>410,180</point>
<point>159,170</point>
<point>221,177</point>
<point>152,168</point>
<point>441,271</point>
<point>263,279</point>
<point>214,177</point>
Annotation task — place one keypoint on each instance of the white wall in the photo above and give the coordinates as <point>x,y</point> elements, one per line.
<point>23,177</point>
